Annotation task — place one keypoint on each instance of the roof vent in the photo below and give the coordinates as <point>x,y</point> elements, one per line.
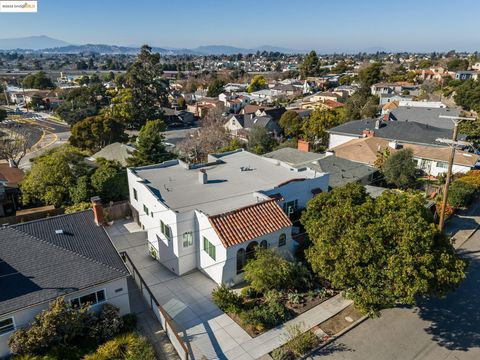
<point>59,232</point>
<point>202,177</point>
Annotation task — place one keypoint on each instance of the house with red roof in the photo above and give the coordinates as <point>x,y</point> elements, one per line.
<point>213,216</point>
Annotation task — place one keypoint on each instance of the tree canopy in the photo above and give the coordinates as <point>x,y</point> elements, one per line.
<point>259,140</point>
<point>150,147</point>
<point>316,125</point>
<point>149,90</point>
<point>399,168</point>
<point>215,88</point>
<point>382,251</point>
<point>310,65</point>
<point>291,123</point>
<point>39,80</point>
<point>258,83</point>
<point>95,132</point>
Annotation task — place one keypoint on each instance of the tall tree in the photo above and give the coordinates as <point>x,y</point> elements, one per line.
<point>109,181</point>
<point>258,83</point>
<point>399,169</point>
<point>315,127</point>
<point>260,141</point>
<point>291,123</point>
<point>310,65</point>
<point>95,132</point>
<point>380,252</point>
<point>215,88</point>
<point>149,90</point>
<point>39,80</point>
<point>150,147</point>
<point>53,175</point>
<point>14,145</point>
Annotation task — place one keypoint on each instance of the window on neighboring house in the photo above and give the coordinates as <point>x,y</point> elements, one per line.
<point>290,207</point>
<point>6,325</point>
<point>166,230</point>
<point>187,239</point>
<point>90,299</point>
<point>135,195</point>
<point>282,240</point>
<point>209,248</point>
<point>441,164</point>
<point>145,209</point>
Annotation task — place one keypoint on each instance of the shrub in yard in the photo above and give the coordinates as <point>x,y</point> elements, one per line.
<point>108,323</point>
<point>226,299</point>
<point>300,342</point>
<point>460,193</point>
<point>129,323</point>
<point>125,347</point>
<point>60,324</point>
<point>269,270</point>
<point>472,177</point>
<point>282,354</point>
<point>266,315</point>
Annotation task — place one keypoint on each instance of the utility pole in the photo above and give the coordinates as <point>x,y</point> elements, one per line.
<point>5,92</point>
<point>454,144</point>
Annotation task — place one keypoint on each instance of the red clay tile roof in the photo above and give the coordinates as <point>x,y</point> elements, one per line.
<point>250,222</point>
<point>13,175</point>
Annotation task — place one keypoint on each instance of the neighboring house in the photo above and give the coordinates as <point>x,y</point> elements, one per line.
<point>232,102</point>
<point>177,117</point>
<point>387,98</point>
<point>211,216</point>
<point>403,131</point>
<point>236,124</point>
<point>200,108</point>
<point>465,75</point>
<point>66,255</point>
<point>341,171</point>
<point>394,88</point>
<point>432,160</point>
<point>116,152</point>
<point>424,115</point>
<point>10,178</point>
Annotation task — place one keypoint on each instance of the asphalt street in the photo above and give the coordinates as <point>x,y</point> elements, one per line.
<point>437,329</point>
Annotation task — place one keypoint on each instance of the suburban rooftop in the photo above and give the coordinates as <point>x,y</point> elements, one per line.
<point>233,180</point>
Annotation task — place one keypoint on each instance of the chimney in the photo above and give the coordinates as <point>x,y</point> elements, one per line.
<point>393,144</point>
<point>378,122</point>
<point>97,210</point>
<point>202,177</point>
<point>368,133</point>
<point>303,145</point>
<point>386,116</point>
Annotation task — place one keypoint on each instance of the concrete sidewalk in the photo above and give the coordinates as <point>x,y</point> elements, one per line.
<point>209,333</point>
<point>461,226</point>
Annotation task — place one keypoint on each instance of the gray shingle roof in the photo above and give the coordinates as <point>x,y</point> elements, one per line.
<point>342,171</point>
<point>405,131</point>
<point>38,265</point>
<point>428,116</point>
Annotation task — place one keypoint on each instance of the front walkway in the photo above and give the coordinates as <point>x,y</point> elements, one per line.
<point>209,333</point>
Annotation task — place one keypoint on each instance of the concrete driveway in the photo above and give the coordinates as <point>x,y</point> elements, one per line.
<point>209,333</point>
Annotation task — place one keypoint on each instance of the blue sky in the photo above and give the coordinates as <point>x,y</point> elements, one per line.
<point>303,24</point>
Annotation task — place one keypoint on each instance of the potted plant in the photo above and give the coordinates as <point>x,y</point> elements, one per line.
<point>108,218</point>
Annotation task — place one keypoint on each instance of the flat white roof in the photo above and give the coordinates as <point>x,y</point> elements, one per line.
<point>228,187</point>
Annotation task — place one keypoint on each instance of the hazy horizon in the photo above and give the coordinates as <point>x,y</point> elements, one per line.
<point>410,26</point>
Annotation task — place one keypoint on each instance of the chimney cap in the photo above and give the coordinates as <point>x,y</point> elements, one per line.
<point>96,199</point>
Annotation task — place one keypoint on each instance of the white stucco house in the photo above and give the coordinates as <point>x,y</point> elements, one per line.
<point>211,216</point>
<point>66,255</point>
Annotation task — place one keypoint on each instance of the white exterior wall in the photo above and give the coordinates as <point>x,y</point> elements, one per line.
<point>300,190</point>
<point>116,293</point>
<point>336,139</point>
<point>213,268</point>
<point>167,249</point>
<point>233,125</point>
<point>230,275</point>
<point>431,167</point>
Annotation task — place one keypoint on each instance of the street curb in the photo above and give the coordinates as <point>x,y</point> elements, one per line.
<point>336,336</point>
<point>468,237</point>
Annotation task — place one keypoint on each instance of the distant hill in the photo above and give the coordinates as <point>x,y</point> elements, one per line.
<point>31,43</point>
<point>230,50</point>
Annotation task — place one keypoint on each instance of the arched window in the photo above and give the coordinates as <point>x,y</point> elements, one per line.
<point>264,244</point>
<point>241,260</point>
<point>250,254</point>
<point>282,240</point>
